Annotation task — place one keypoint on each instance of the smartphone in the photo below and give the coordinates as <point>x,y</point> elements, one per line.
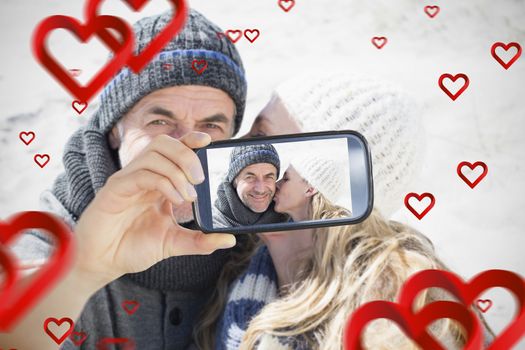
<point>284,182</point>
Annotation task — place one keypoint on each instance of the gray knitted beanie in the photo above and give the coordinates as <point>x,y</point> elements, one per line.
<point>243,156</point>
<point>196,41</point>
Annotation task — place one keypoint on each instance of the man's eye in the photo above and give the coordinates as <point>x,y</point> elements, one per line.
<point>159,122</point>
<point>212,126</point>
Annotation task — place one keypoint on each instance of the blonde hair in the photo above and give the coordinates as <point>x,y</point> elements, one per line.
<point>347,267</point>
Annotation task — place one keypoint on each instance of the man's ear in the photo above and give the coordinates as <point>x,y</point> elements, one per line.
<point>310,191</point>
<point>114,137</point>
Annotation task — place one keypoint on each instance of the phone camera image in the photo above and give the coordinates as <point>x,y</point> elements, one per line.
<point>284,182</point>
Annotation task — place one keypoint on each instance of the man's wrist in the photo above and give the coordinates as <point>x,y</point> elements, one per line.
<point>86,280</point>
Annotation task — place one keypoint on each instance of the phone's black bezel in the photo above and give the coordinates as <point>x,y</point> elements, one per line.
<point>203,189</point>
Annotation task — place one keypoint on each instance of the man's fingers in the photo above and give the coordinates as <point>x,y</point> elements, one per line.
<point>159,164</point>
<point>190,242</point>
<point>180,152</point>
<point>144,180</point>
<point>196,139</point>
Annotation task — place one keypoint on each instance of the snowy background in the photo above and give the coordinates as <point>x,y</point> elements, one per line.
<point>473,230</point>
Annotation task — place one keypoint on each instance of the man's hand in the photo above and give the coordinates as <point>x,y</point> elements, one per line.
<point>129,226</point>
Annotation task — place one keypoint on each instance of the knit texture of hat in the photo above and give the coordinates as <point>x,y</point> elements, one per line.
<point>173,67</point>
<point>384,114</point>
<point>243,156</point>
<point>324,174</point>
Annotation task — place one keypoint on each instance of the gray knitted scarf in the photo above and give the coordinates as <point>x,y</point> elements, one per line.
<point>88,162</point>
<point>234,212</point>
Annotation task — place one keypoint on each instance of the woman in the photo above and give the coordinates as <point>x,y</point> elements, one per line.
<point>307,177</point>
<point>298,289</point>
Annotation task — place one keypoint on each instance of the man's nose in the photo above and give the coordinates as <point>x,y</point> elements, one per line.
<point>181,129</point>
<point>259,186</point>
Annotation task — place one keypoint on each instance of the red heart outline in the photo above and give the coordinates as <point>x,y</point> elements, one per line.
<point>134,306</point>
<point>236,31</point>
<point>75,103</point>
<point>10,273</point>
<point>128,343</point>
<point>284,7</point>
<point>483,301</point>
<point>37,158</point>
<point>419,197</point>
<point>138,62</point>
<point>14,307</point>
<point>453,78</point>
<point>59,322</point>
<point>202,63</point>
<point>472,167</point>
<point>251,31</point>
<point>428,10</point>
<point>83,32</point>
<point>26,133</point>
<point>375,40</point>
<point>468,292</point>
<point>82,336</point>
<point>505,47</point>
<point>413,324</point>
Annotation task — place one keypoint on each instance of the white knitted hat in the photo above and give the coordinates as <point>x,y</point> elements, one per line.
<point>325,174</point>
<point>385,115</point>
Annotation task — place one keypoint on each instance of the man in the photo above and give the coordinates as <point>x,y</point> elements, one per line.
<point>128,183</point>
<point>245,197</point>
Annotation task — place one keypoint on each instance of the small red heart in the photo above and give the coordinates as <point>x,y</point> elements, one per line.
<point>58,340</point>
<point>79,106</point>
<point>41,159</point>
<point>75,72</point>
<point>379,41</point>
<point>167,66</point>
<point>413,324</point>
<point>83,31</point>
<point>481,302</point>
<point>506,47</point>
<point>78,337</point>
<point>286,5</point>
<point>251,34</point>
<point>472,167</point>
<point>453,78</point>
<point>234,35</point>
<point>199,66</point>
<point>104,342</point>
<point>432,11</point>
<point>27,137</point>
<point>130,306</point>
<point>467,293</point>
<point>16,302</point>
<point>138,62</point>
<point>420,197</point>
